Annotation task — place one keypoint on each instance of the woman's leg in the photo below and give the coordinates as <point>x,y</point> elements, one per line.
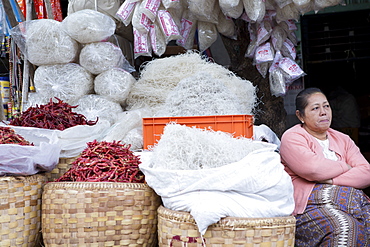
<point>335,216</point>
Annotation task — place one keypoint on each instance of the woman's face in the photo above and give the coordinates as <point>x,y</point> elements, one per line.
<point>317,117</point>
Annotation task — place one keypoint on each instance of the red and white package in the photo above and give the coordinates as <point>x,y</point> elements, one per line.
<point>142,46</point>
<point>126,11</point>
<point>263,32</point>
<point>288,49</point>
<point>171,3</point>
<point>291,69</point>
<point>264,53</point>
<point>187,31</point>
<point>140,21</point>
<point>157,40</point>
<point>276,61</point>
<point>169,27</point>
<point>150,8</point>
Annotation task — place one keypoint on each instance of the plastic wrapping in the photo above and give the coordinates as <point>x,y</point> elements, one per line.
<point>140,21</point>
<point>150,8</point>
<point>264,53</point>
<point>44,42</point>
<point>115,84</point>
<point>255,9</point>
<point>135,138</point>
<point>157,39</point>
<point>304,6</point>
<point>204,10</point>
<point>94,105</point>
<point>126,11</point>
<point>171,3</point>
<point>291,69</point>
<point>277,82</point>
<point>67,82</point>
<point>187,31</point>
<point>207,35</point>
<point>108,7</point>
<point>288,49</point>
<point>88,26</point>
<point>263,32</point>
<point>321,4</point>
<point>226,26</point>
<point>231,8</point>
<point>101,56</point>
<point>142,45</point>
<point>282,3</point>
<point>169,27</point>
<point>278,36</point>
<point>288,12</point>
<point>263,68</point>
<point>127,121</point>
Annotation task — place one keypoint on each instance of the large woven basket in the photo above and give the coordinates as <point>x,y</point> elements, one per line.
<point>20,209</point>
<point>63,165</point>
<point>178,229</point>
<point>99,214</point>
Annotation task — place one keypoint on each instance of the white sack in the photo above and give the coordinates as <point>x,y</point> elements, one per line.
<point>256,186</point>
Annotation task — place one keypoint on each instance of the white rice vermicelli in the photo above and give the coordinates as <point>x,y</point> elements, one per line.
<point>47,43</point>
<point>88,26</point>
<point>114,83</point>
<point>100,56</point>
<point>68,81</point>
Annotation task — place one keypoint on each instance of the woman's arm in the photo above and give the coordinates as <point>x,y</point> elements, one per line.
<point>306,159</point>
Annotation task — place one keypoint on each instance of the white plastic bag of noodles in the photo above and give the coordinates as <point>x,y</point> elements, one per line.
<point>108,7</point>
<point>28,160</point>
<point>44,42</point>
<point>255,186</point>
<point>98,57</point>
<point>88,26</point>
<point>207,34</point>
<point>255,9</point>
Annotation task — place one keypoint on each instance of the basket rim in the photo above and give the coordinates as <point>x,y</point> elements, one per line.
<point>229,222</point>
<point>96,185</point>
<point>23,178</point>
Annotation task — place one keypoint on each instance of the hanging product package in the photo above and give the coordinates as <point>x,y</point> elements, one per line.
<point>42,155</point>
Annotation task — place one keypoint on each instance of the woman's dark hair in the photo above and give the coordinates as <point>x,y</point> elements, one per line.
<point>301,101</point>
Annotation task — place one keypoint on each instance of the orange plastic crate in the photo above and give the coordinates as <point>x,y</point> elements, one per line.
<point>238,125</point>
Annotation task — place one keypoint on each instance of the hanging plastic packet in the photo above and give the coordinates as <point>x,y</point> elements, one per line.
<point>169,27</point>
<point>263,32</point>
<point>140,21</point>
<point>177,14</point>
<point>288,12</point>
<point>277,82</point>
<point>231,8</point>
<point>226,26</point>
<point>303,6</point>
<point>321,4</point>
<point>171,3</point>
<point>142,46</point>
<point>263,68</point>
<point>204,10</point>
<point>150,8</point>
<point>264,53</point>
<point>252,30</point>
<point>157,39</point>
<point>126,11</point>
<point>275,62</point>
<point>282,3</point>
<point>291,69</point>
<point>207,35</point>
<point>255,9</point>
<point>288,49</point>
<point>187,31</point>
<point>278,36</point>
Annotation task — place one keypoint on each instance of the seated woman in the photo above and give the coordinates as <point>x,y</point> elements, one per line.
<point>328,172</point>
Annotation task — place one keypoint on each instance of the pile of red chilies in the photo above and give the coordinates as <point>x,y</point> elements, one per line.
<point>105,162</point>
<point>54,115</point>
<point>8,136</point>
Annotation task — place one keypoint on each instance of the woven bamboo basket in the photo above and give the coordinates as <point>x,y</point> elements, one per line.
<point>99,214</point>
<point>20,210</point>
<point>178,229</point>
<point>63,165</point>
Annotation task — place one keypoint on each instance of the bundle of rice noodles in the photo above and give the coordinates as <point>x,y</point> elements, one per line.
<point>160,76</point>
<point>67,82</point>
<point>200,95</point>
<point>88,26</point>
<point>190,148</point>
<point>114,83</point>
<point>94,106</point>
<point>47,43</point>
<point>101,56</point>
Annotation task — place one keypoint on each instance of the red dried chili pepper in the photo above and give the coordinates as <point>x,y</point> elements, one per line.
<point>105,162</point>
<point>8,136</point>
